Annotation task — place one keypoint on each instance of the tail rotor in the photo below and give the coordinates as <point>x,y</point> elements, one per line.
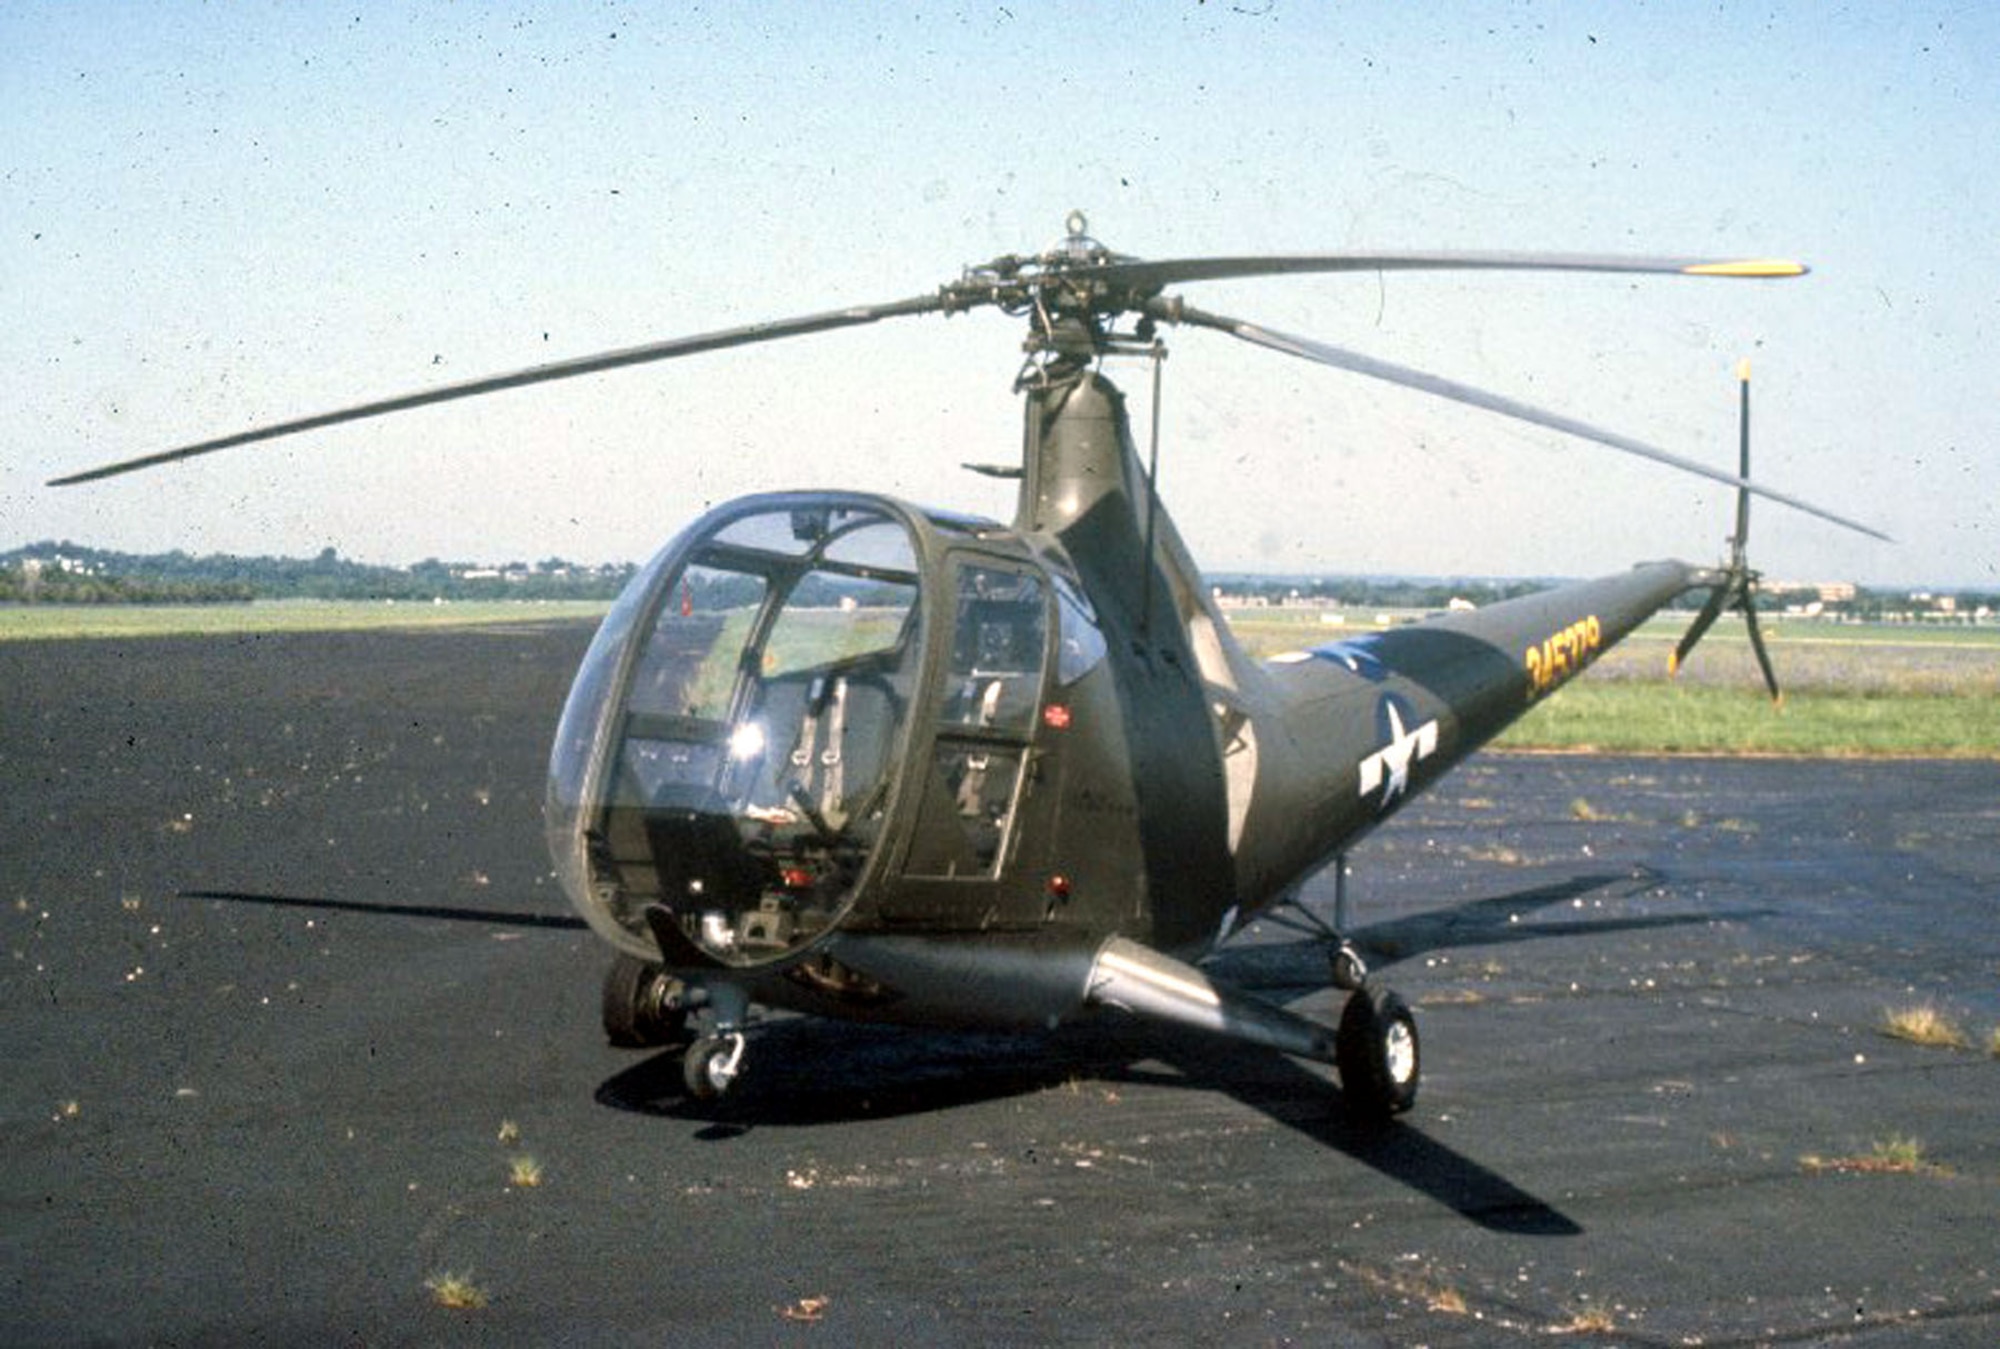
<point>1735,586</point>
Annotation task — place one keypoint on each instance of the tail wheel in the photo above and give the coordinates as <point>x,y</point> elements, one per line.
<point>644,1006</point>
<point>1377,1052</point>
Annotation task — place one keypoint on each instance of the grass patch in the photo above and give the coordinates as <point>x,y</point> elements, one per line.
<point>1447,1300</point>
<point>1451,997</point>
<point>1896,1155</point>
<point>1924,1025</point>
<point>1631,718</point>
<point>1850,691</point>
<point>523,1172</point>
<point>1586,1321</point>
<point>1993,1042</point>
<point>50,622</point>
<point>806,1309</point>
<point>456,1291</point>
<point>1416,1285</point>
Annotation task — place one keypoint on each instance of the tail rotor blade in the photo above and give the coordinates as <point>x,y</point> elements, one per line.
<point>1742,538</point>
<point>1757,646</point>
<point>1702,622</point>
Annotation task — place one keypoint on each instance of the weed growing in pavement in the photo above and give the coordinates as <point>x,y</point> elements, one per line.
<point>1416,1285</point>
<point>1925,1025</point>
<point>456,1291</point>
<point>1896,1155</point>
<point>1586,1321</point>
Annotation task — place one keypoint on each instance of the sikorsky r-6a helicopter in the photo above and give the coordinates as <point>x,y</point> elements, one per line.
<point>838,753</point>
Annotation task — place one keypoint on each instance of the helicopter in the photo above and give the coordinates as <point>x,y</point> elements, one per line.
<point>840,754</point>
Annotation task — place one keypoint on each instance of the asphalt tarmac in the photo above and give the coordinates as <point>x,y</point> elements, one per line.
<point>1650,992</point>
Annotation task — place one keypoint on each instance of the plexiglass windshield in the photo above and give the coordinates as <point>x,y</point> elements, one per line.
<point>728,749</point>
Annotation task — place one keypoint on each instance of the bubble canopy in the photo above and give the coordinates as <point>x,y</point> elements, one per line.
<point>727,752</point>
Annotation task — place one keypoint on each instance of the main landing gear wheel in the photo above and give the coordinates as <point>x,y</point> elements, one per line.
<point>1377,1052</point>
<point>644,1006</point>
<point>712,1065</point>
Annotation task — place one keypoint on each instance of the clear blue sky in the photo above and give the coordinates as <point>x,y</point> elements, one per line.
<point>216,215</point>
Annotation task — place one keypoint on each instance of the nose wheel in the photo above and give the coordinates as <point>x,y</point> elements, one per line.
<point>715,1060</point>
<point>712,1065</point>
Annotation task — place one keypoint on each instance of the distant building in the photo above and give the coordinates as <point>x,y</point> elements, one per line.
<point>1829,592</point>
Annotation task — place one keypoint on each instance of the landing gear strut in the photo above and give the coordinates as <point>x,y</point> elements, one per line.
<point>1350,971</point>
<point>715,1060</point>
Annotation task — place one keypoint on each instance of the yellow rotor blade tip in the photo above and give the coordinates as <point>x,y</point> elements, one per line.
<point>1747,267</point>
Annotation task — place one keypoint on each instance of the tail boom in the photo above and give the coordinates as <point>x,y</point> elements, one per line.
<point>1366,723</point>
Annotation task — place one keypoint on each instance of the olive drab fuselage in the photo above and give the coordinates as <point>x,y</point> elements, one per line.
<point>886,762</point>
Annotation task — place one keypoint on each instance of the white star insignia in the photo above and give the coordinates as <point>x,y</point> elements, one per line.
<point>1389,767</point>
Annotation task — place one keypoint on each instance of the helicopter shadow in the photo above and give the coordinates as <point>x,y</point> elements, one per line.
<point>810,1072</point>
<point>807,1073</point>
<point>1276,967</point>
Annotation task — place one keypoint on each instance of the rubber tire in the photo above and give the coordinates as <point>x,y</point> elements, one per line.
<point>1362,1051</point>
<point>638,1005</point>
<point>697,1068</point>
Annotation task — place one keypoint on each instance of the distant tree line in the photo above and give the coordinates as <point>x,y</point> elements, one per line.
<point>1373,592</point>
<point>1429,594</point>
<point>68,573</point>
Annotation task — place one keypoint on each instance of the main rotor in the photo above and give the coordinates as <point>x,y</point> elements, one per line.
<point>1073,296</point>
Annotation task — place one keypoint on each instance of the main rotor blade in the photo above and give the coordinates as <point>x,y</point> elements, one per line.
<point>491,917</point>
<point>1151,275</point>
<point>1343,359</point>
<point>538,374</point>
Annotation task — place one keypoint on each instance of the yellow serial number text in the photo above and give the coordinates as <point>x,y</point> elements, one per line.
<point>1561,654</point>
